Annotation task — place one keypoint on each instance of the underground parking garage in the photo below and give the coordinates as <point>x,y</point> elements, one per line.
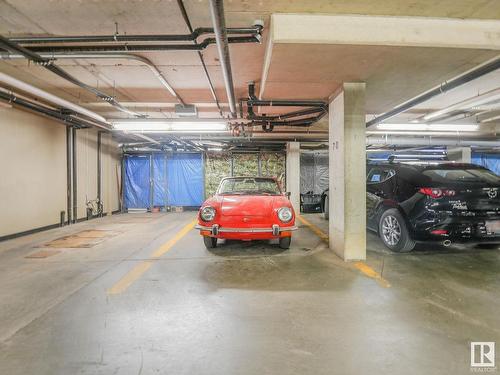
<point>209,187</point>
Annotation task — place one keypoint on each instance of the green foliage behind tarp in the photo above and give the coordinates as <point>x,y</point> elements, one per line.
<point>218,166</point>
<point>272,164</point>
<point>246,165</point>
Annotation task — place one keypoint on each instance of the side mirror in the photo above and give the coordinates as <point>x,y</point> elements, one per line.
<point>288,194</point>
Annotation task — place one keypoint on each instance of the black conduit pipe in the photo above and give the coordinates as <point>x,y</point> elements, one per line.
<point>75,179</point>
<point>69,131</point>
<point>285,103</point>
<point>445,86</point>
<point>48,112</point>
<point>48,64</point>
<point>302,112</point>
<point>303,117</point>
<point>192,36</point>
<point>138,47</point>
<point>99,166</point>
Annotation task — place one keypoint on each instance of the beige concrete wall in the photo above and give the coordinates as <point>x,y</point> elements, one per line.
<point>86,169</point>
<point>32,171</point>
<point>111,174</point>
<point>86,150</point>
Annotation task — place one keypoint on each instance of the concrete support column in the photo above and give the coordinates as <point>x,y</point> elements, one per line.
<point>466,155</point>
<point>460,154</point>
<point>347,156</point>
<point>293,173</point>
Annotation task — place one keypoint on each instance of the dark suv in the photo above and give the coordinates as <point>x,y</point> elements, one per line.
<point>409,203</point>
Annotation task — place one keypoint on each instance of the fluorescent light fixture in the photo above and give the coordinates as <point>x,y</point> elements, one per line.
<point>430,127</point>
<point>396,132</point>
<point>170,125</point>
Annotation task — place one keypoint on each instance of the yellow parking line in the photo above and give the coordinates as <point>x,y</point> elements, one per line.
<point>143,266</point>
<point>360,266</point>
<point>168,245</point>
<point>314,228</point>
<point>370,272</point>
<point>130,277</point>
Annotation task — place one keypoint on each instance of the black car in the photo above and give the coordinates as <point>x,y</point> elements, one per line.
<point>446,203</point>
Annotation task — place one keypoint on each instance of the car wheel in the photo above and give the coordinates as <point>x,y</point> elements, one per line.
<point>394,233</point>
<point>285,242</point>
<point>210,242</point>
<point>326,209</point>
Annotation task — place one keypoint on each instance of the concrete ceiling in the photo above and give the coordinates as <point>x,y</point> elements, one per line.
<point>296,71</point>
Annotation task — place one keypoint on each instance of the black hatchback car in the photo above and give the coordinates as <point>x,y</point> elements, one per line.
<point>446,203</point>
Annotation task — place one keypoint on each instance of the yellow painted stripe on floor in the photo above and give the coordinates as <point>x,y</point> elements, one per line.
<point>130,277</point>
<point>143,266</point>
<point>360,266</point>
<point>370,272</point>
<point>314,228</point>
<point>168,245</point>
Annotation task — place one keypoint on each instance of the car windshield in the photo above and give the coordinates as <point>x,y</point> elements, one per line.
<point>249,186</point>
<point>465,175</point>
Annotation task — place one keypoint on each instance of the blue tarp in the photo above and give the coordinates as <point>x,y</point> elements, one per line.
<point>185,180</point>
<point>177,180</point>
<point>159,180</point>
<point>490,161</point>
<point>137,185</point>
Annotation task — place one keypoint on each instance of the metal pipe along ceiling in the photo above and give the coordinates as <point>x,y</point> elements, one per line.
<point>185,16</point>
<point>217,13</point>
<point>428,141</point>
<point>471,75</point>
<point>106,55</point>
<point>44,95</point>
<point>192,36</point>
<point>47,64</point>
<point>140,47</point>
<point>49,112</point>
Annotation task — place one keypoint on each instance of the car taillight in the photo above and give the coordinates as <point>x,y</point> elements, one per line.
<point>440,232</point>
<point>437,193</point>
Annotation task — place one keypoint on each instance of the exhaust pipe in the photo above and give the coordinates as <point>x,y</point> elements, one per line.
<point>446,243</point>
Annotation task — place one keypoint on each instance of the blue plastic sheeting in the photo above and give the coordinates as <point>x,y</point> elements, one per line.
<point>185,177</point>
<point>160,196</point>
<point>490,161</point>
<point>137,186</point>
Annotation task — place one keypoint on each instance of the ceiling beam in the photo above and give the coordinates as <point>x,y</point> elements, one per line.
<point>386,31</point>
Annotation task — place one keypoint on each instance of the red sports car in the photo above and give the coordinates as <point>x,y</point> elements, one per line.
<point>247,208</point>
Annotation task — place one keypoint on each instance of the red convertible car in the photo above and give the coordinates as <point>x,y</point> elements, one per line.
<point>247,208</point>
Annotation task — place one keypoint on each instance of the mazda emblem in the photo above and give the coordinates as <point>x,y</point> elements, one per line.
<point>492,193</point>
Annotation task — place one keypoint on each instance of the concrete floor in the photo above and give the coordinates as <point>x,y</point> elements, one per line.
<point>141,303</point>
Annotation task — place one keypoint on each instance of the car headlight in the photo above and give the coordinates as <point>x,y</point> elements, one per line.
<point>207,213</point>
<point>285,214</point>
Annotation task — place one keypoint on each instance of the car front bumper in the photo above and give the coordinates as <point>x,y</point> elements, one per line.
<point>245,233</point>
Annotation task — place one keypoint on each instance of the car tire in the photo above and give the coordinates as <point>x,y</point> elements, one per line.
<point>285,242</point>
<point>326,209</point>
<point>394,233</point>
<point>210,242</point>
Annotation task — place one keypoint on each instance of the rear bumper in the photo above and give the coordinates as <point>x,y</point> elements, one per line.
<point>459,230</point>
<point>245,233</point>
